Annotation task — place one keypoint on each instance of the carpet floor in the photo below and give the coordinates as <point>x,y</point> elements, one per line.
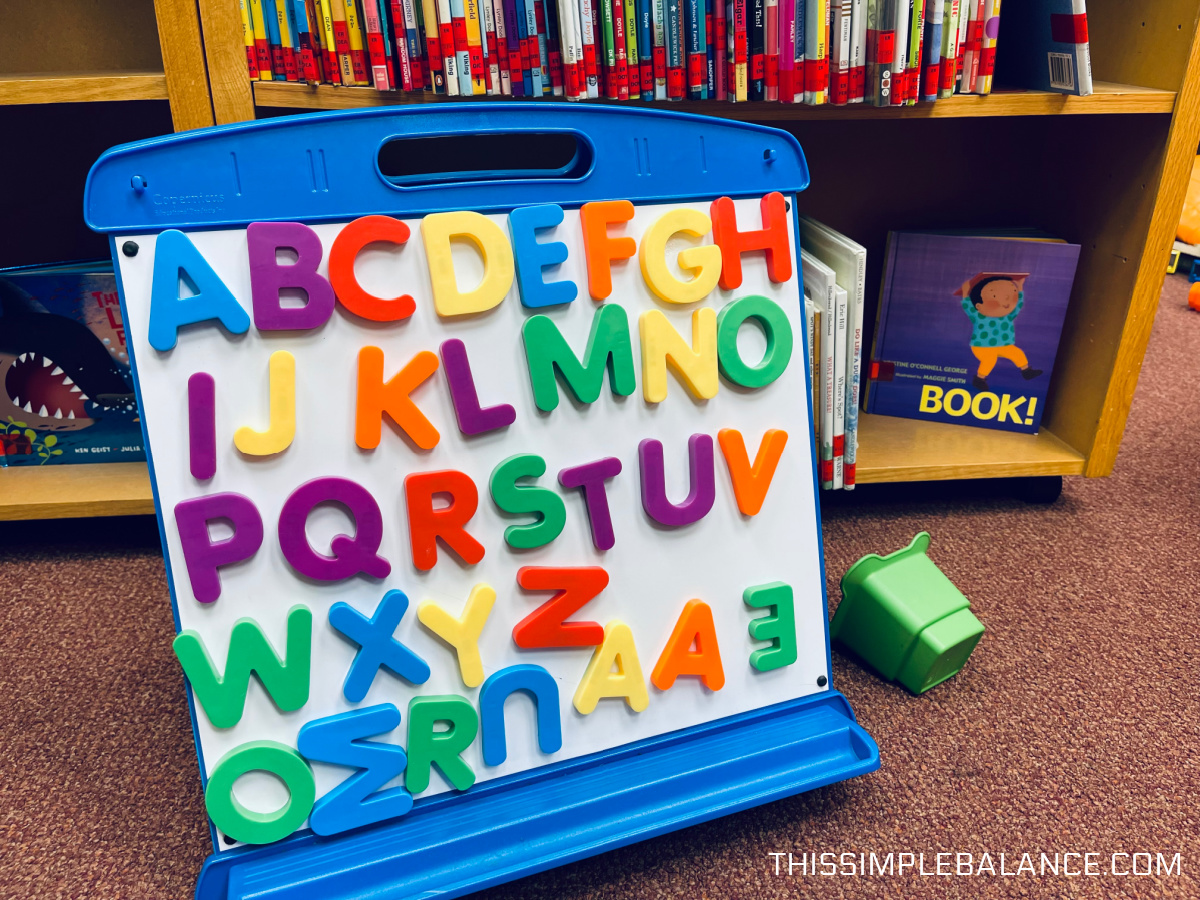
<point>1075,727</point>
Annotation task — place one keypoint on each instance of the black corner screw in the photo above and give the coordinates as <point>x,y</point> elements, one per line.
<point>129,248</point>
<point>228,840</point>
<point>822,681</point>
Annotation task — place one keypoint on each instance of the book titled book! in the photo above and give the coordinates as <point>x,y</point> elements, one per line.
<point>968,327</point>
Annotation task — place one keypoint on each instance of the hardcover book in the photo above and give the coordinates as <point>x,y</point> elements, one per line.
<point>66,392</point>
<point>968,327</point>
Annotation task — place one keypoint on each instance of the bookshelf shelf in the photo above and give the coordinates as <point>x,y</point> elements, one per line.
<point>890,450</point>
<point>1108,99</point>
<point>81,87</point>
<point>65,492</point>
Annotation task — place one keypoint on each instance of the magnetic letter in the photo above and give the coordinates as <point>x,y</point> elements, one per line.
<point>223,697</point>
<point>377,647</point>
<point>515,499</point>
<point>704,262</point>
<point>246,825</point>
<point>750,484</point>
<point>774,323</point>
<point>427,746</point>
<point>779,627</point>
<point>599,249</point>
<point>545,626</point>
<point>376,397</point>
<point>591,477</point>
<point>695,626</point>
<point>472,418</point>
<point>176,258</point>
<point>201,553</point>
<point>339,741</point>
<point>654,482</point>
<point>599,679</point>
<point>281,379</point>
<point>349,555</point>
<point>463,633</point>
<point>773,239</point>
<point>541,688</point>
<point>202,426</point>
<point>438,230</point>
<point>346,247</point>
<point>608,347</point>
<point>662,345</point>
<point>426,524</point>
<point>268,278</point>
<point>533,257</point>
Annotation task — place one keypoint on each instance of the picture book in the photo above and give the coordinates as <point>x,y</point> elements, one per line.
<point>968,327</point>
<point>66,393</point>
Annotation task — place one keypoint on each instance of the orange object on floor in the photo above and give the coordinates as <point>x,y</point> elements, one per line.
<point>1194,296</point>
<point>1189,222</point>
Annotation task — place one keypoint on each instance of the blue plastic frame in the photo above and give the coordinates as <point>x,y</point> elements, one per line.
<point>324,167</point>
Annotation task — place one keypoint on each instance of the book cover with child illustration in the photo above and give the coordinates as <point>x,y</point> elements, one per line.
<point>968,327</point>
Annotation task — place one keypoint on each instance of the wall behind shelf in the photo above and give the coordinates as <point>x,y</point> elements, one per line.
<point>46,158</point>
<point>79,36</point>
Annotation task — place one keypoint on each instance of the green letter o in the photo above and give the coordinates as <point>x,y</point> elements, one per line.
<point>249,826</point>
<point>774,323</point>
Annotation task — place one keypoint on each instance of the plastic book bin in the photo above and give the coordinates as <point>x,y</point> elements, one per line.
<point>905,619</point>
<point>325,168</point>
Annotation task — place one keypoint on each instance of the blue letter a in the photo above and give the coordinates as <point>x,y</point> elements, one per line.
<point>175,258</point>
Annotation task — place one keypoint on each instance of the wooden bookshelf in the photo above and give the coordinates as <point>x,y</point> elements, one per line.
<point>64,492</point>
<point>1107,171</point>
<point>1108,99</point>
<point>82,87</point>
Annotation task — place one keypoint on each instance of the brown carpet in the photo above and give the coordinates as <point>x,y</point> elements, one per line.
<point>1075,726</point>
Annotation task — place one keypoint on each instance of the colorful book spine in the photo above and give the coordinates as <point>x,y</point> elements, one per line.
<point>964,20</point>
<point>522,72</point>
<point>742,48</point>
<point>632,56</point>
<point>840,354</point>
<point>591,59</point>
<point>385,31</point>
<point>375,46</point>
<point>400,40</point>
<point>543,48</point>
<point>816,62</point>
<point>787,50</point>
<point>916,41</point>
<point>720,45</point>
<point>491,51</point>
<point>990,28</point>
<point>645,44</point>
<point>448,45</point>
<point>935,15</point>
<point>971,48</point>
<point>621,69</point>
<point>946,72</point>
<point>695,49</point>
<point>858,51</point>
<point>262,41</point>
<point>676,79</point>
<point>710,49</point>
<point>414,28</point>
<point>553,61</point>
<point>572,55</point>
<point>798,49</point>
<point>475,48</point>
<point>658,22</point>
<point>309,69</point>
<point>462,53</point>
<point>532,49</point>
<point>333,59</point>
<point>248,41</point>
<point>771,76</point>
<point>503,46</point>
<point>730,52</point>
<point>271,15</point>
<point>839,52</point>
<point>900,64</point>
<point>756,24</point>
<point>289,32</point>
<point>358,54</point>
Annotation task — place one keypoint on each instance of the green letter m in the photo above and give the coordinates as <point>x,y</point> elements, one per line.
<point>608,347</point>
<point>223,697</point>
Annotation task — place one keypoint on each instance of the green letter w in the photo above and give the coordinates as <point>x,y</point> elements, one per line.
<point>223,697</point>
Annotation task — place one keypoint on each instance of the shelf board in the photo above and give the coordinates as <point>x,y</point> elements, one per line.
<point>81,87</point>
<point>892,449</point>
<point>1107,99</point>
<point>74,491</point>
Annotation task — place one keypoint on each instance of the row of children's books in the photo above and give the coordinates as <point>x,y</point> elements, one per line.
<point>881,52</point>
<point>834,270</point>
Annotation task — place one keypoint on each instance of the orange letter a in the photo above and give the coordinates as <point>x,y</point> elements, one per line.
<point>695,625</point>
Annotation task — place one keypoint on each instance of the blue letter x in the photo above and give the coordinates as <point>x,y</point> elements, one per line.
<point>378,647</point>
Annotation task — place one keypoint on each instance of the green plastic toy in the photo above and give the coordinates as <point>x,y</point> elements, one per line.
<point>905,619</point>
